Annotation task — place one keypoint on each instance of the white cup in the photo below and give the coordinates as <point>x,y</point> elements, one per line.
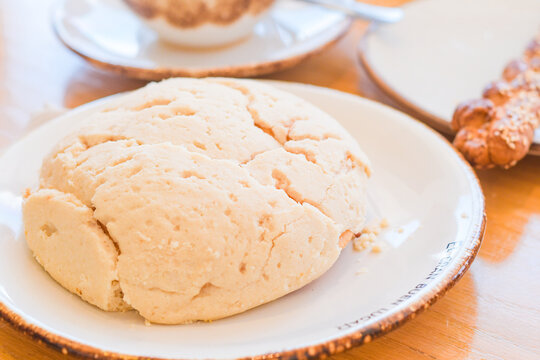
<point>201,23</point>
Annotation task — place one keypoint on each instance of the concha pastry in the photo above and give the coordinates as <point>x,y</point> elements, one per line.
<point>197,199</point>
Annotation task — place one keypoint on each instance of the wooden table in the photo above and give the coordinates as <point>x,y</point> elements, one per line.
<point>492,313</point>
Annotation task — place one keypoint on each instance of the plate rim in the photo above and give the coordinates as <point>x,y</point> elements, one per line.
<point>362,335</point>
<point>250,69</point>
<point>415,110</point>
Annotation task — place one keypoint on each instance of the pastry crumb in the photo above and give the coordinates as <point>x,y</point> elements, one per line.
<point>361,271</point>
<point>147,323</point>
<point>367,239</point>
<point>364,241</point>
<point>27,192</point>
<point>464,216</point>
<point>377,248</point>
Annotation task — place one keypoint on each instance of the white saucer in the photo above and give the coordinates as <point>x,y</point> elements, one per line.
<point>447,51</point>
<point>110,36</point>
<point>429,195</point>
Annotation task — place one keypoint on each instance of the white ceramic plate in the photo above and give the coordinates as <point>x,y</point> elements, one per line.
<point>447,51</point>
<point>429,195</point>
<point>110,36</point>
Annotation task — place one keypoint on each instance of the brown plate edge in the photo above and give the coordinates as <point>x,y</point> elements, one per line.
<point>160,73</point>
<point>319,351</point>
<point>432,120</point>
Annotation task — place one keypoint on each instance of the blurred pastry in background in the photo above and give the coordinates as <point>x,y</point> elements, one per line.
<point>201,23</point>
<point>498,129</point>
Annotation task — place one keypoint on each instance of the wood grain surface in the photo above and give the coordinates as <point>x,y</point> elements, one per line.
<point>492,313</point>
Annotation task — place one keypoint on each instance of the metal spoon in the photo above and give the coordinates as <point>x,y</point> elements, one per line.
<point>364,11</point>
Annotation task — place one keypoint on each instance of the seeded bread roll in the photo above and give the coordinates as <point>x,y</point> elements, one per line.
<point>498,129</point>
<point>197,199</point>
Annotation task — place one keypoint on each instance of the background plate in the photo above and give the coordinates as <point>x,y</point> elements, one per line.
<point>110,36</point>
<point>447,51</point>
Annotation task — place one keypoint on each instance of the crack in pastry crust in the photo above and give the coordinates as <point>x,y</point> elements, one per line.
<point>89,270</point>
